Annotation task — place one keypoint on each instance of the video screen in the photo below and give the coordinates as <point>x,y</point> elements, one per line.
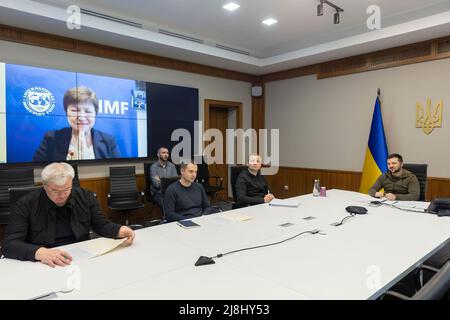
<point>52,115</point>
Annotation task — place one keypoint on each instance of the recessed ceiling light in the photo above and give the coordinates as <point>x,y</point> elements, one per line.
<point>231,6</point>
<point>269,21</point>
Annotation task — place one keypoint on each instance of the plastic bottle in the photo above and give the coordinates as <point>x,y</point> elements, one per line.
<point>316,188</point>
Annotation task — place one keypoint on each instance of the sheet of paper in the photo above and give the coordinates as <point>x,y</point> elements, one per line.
<point>412,204</point>
<point>236,217</point>
<point>217,220</point>
<point>79,254</point>
<point>284,203</point>
<point>90,249</point>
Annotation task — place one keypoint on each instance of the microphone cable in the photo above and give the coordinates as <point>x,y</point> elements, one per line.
<point>315,231</point>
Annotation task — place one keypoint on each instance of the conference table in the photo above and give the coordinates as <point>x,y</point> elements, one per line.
<point>359,259</point>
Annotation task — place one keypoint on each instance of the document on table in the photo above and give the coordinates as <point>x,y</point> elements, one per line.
<point>91,249</point>
<point>284,203</point>
<point>409,204</point>
<point>235,216</point>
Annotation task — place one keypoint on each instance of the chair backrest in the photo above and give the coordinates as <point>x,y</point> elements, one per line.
<point>122,184</point>
<point>166,182</point>
<point>147,179</point>
<point>202,172</point>
<point>16,193</point>
<point>9,178</point>
<point>76,180</point>
<point>420,171</point>
<point>437,286</point>
<point>235,171</point>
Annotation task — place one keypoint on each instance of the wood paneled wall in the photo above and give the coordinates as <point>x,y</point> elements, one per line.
<point>393,57</point>
<point>413,53</point>
<point>300,181</point>
<point>51,41</point>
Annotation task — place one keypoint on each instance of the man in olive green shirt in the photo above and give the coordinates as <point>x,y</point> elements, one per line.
<point>398,183</point>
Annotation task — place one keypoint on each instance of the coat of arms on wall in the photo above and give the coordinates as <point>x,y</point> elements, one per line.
<point>429,118</point>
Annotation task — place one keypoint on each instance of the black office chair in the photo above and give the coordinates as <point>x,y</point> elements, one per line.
<point>16,193</point>
<point>124,196</point>
<point>235,171</point>
<point>165,183</point>
<point>434,289</point>
<point>11,178</point>
<point>420,171</point>
<point>148,182</point>
<point>205,179</point>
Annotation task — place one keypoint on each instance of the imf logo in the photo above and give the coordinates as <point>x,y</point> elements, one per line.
<point>38,101</point>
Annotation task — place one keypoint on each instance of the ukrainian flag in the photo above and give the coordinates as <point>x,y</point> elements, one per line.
<point>376,153</point>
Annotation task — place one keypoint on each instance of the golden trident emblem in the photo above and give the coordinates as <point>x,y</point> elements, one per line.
<point>429,120</point>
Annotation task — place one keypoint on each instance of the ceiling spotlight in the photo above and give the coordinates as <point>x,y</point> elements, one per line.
<point>320,9</point>
<point>231,6</point>
<point>337,18</point>
<point>269,21</point>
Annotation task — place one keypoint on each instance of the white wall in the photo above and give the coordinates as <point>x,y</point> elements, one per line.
<point>209,87</point>
<point>325,124</point>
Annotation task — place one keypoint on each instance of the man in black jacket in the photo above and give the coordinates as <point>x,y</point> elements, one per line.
<point>251,186</point>
<point>53,216</point>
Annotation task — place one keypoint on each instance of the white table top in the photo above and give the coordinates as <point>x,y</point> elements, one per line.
<point>357,260</point>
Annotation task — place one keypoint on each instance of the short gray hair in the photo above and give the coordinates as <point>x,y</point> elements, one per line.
<point>57,173</point>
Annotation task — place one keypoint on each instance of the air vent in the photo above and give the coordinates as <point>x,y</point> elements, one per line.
<point>232,49</point>
<point>110,18</point>
<point>180,36</point>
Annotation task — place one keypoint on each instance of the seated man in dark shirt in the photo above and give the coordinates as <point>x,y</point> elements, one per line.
<point>251,186</point>
<point>53,216</point>
<point>186,198</point>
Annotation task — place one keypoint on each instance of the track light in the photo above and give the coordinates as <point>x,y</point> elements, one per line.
<point>337,16</point>
<point>320,9</point>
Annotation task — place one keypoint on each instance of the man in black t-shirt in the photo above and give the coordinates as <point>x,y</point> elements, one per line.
<point>251,186</point>
<point>186,198</point>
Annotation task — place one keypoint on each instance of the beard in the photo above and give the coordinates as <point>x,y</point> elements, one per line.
<point>396,170</point>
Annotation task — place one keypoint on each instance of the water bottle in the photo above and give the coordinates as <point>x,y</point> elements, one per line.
<point>316,188</point>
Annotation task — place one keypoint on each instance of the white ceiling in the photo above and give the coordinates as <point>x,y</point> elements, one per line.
<point>299,38</point>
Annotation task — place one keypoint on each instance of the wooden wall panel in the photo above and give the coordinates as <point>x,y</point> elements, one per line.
<point>300,181</point>
<point>438,188</point>
<point>51,41</point>
<point>393,57</point>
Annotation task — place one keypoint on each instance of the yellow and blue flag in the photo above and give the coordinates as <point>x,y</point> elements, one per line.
<point>376,153</point>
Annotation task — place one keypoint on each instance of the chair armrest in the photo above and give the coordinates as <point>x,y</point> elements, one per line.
<point>219,180</point>
<point>429,268</point>
<point>397,295</point>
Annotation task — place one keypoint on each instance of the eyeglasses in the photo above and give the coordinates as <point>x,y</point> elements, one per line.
<point>60,192</point>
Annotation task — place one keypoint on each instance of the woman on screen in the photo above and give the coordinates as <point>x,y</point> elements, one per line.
<point>80,141</point>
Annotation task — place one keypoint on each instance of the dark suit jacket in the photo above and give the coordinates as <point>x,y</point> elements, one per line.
<point>32,223</point>
<point>55,145</point>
